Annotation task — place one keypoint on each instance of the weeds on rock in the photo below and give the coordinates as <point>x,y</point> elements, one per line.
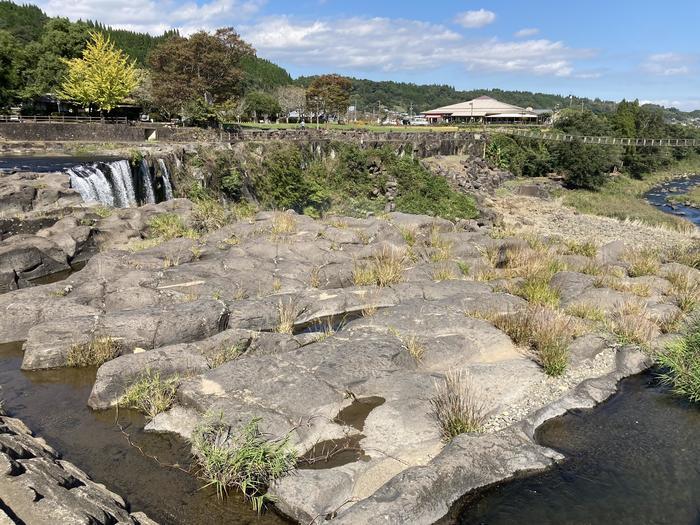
<point>151,394</point>
<point>685,290</point>
<point>631,323</point>
<point>642,261</point>
<point>95,352</point>
<point>456,406</point>
<point>586,311</point>
<point>167,226</point>
<point>223,355</point>
<point>283,224</point>
<point>244,460</point>
<point>411,344</point>
<point>383,269</point>
<point>606,281</point>
<point>585,248</point>
<point>102,211</point>
<point>444,272</point>
<point>538,291</point>
<point>548,333</point>
<point>315,277</point>
<point>687,255</point>
<point>208,215</point>
<point>464,268</point>
<point>440,249</point>
<point>409,235</point>
<point>287,313</point>
<point>681,364</point>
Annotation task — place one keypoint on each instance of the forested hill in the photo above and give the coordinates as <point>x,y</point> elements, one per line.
<point>400,95</point>
<point>28,26</point>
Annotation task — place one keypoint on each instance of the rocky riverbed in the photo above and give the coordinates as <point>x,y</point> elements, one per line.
<point>300,323</point>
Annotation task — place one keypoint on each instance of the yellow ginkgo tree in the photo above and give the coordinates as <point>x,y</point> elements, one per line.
<point>102,77</point>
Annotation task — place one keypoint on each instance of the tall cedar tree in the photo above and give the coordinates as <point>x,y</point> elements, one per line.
<point>329,94</point>
<point>203,67</point>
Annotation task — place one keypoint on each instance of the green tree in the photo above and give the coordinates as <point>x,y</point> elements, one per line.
<point>8,68</point>
<point>259,104</point>
<point>584,165</point>
<point>202,67</point>
<point>102,77</point>
<point>329,94</point>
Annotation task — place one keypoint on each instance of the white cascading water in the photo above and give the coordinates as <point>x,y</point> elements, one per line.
<point>166,180</point>
<point>114,183</point>
<point>147,183</point>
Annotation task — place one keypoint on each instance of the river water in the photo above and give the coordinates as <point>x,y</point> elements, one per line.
<point>632,460</point>
<point>657,197</point>
<point>54,405</point>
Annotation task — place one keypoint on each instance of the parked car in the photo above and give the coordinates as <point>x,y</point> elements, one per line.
<point>420,121</point>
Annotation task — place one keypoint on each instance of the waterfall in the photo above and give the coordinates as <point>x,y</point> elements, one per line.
<point>147,183</point>
<point>166,180</point>
<point>116,184</point>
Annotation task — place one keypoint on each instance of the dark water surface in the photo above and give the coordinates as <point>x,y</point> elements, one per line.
<point>53,405</point>
<point>657,197</point>
<point>632,460</point>
<point>46,163</point>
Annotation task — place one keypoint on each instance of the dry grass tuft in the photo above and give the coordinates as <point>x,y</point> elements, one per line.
<point>631,323</point>
<point>283,224</point>
<point>589,312</point>
<point>606,281</point>
<point>538,291</point>
<point>315,277</point>
<point>440,249</point>
<point>223,355</point>
<point>384,268</point>
<point>688,255</point>
<point>287,313</point>
<point>586,248</point>
<point>95,352</point>
<point>547,332</point>
<point>642,261</point>
<point>409,235</point>
<point>685,290</point>
<point>411,344</point>
<point>456,406</point>
<point>444,272</point>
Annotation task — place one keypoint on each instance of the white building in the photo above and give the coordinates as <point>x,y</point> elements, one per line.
<point>482,109</point>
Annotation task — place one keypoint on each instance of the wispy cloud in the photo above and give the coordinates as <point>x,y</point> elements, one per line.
<point>667,64</point>
<point>526,32</point>
<point>475,19</point>
<point>392,44</point>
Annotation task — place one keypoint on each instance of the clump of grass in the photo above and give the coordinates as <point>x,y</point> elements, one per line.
<point>440,249</point>
<point>95,352</point>
<point>538,291</point>
<point>486,274</point>
<point>681,364</point>
<point>548,333</point>
<point>456,406</point>
<point>223,355</point>
<point>244,210</point>
<point>287,313</point>
<point>409,235</point>
<point>464,268</point>
<point>208,215</point>
<point>585,248</point>
<point>168,226</point>
<point>144,244</point>
<point>687,255</point>
<point>325,330</point>
<point>640,289</point>
<point>594,268</point>
<point>243,460</point>
<point>283,224</point>
<point>491,253</point>
<point>685,290</point>
<point>631,323</point>
<point>411,344</point>
<point>443,272</point>
<point>642,261</point>
<point>151,394</point>
<point>385,268</point>
<point>315,277</point>
<point>102,211</point>
<point>586,311</point>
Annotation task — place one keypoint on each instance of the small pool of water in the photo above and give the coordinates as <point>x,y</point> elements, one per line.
<point>657,197</point>
<point>47,163</point>
<point>53,405</point>
<point>632,460</point>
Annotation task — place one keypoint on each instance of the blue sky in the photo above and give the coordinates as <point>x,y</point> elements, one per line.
<point>610,50</point>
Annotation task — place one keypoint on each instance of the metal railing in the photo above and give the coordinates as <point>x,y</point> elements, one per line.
<point>62,119</point>
<point>610,141</point>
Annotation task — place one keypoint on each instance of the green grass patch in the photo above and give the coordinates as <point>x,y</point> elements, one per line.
<point>95,352</point>
<point>681,364</point>
<point>169,226</point>
<point>244,460</point>
<point>151,394</point>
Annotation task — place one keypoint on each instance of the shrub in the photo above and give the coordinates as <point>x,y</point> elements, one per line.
<point>169,226</point>
<point>681,364</point>
<point>547,332</point>
<point>243,460</point>
<point>151,394</point>
<point>95,352</point>
<point>456,406</point>
<point>642,261</point>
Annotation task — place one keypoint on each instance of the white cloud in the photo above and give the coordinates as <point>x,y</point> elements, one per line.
<point>389,44</point>
<point>527,31</point>
<point>667,64</point>
<point>155,16</point>
<point>683,104</point>
<point>474,19</point>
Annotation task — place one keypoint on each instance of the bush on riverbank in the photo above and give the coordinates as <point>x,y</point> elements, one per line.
<point>681,364</point>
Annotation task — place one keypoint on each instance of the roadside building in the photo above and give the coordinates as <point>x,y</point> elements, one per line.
<point>485,110</point>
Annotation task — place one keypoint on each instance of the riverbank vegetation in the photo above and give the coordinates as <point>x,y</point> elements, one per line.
<point>681,364</point>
